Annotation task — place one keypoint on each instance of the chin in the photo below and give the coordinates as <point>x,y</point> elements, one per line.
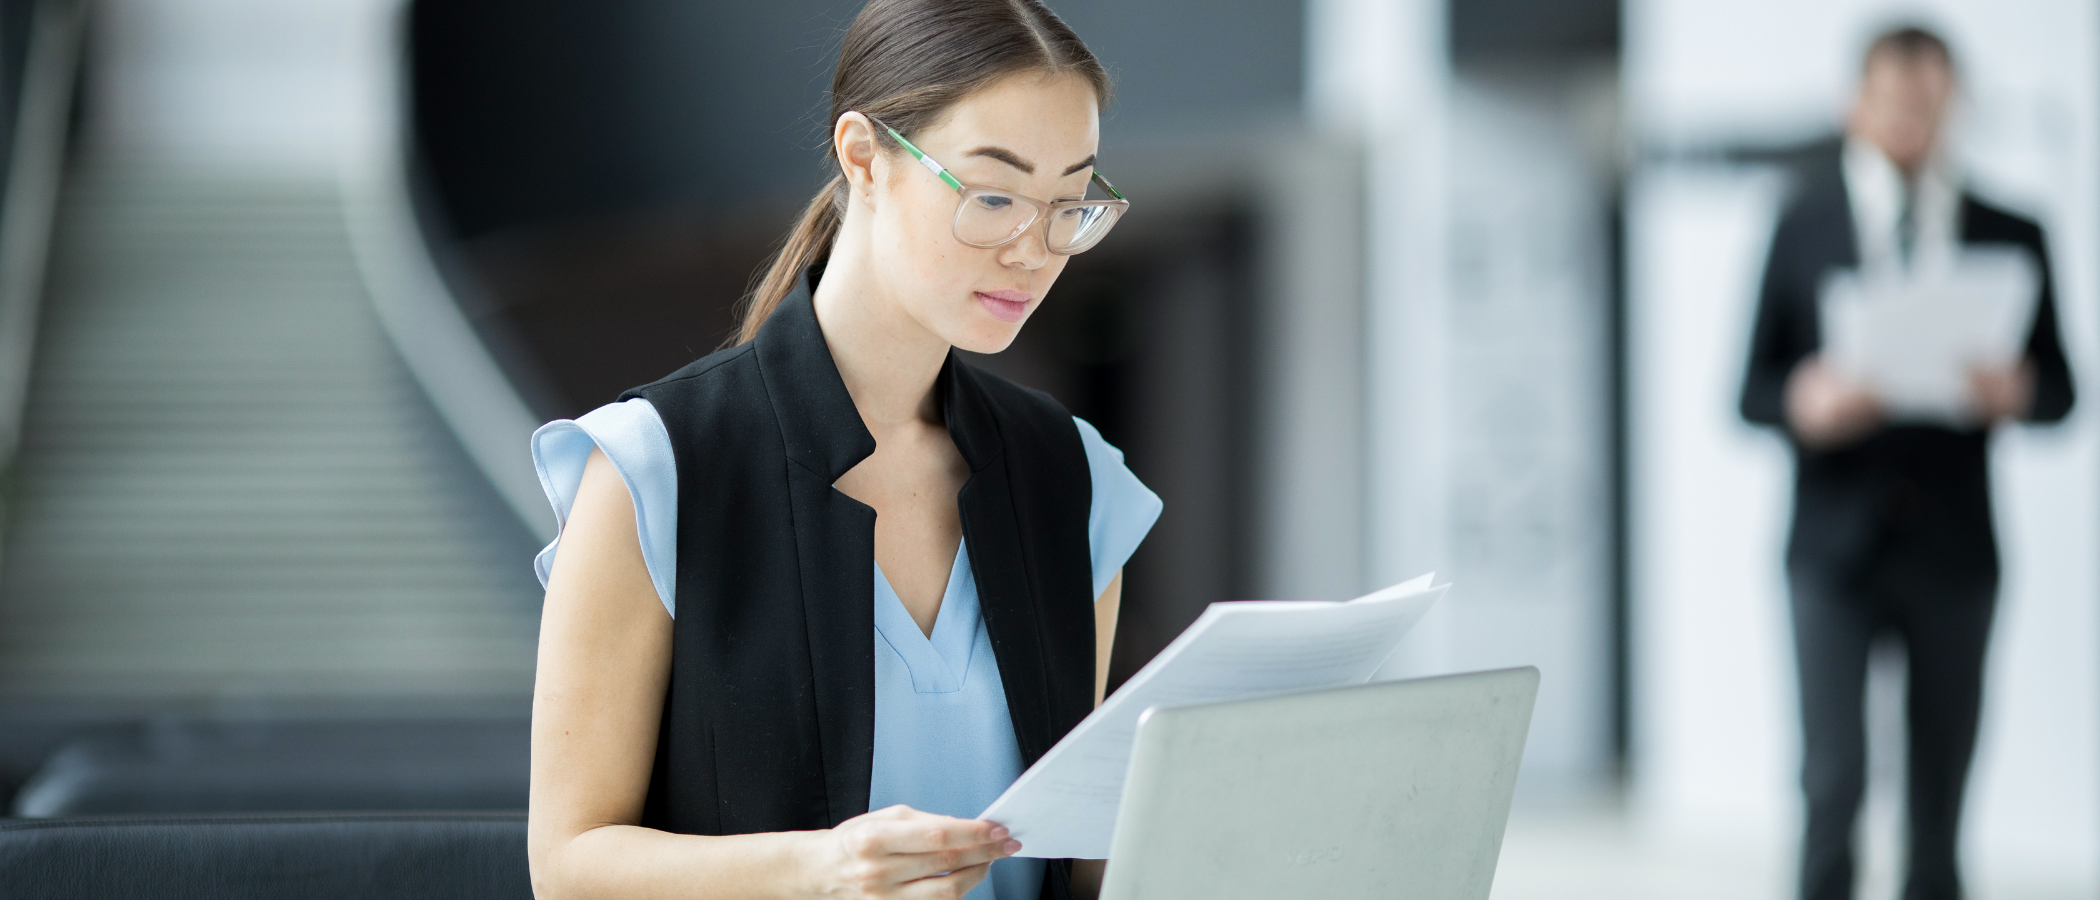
<point>989,338</point>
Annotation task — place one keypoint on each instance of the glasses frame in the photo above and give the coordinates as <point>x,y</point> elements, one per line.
<point>1042,210</point>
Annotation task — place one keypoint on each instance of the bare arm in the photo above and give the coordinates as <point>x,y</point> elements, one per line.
<point>604,661</point>
<point>1106,607</point>
<point>1087,873</point>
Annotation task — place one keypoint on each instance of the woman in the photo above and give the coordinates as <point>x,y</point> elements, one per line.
<point>834,569</point>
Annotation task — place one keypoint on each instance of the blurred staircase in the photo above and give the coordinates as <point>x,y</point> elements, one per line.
<point>230,493</point>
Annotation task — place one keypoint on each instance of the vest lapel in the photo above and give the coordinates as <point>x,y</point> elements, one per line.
<point>835,549</point>
<point>769,723</point>
<point>999,559</point>
<point>834,542</point>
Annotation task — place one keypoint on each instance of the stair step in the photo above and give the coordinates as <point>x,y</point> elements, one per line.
<point>228,482</point>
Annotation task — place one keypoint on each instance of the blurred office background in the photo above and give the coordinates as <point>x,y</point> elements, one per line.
<point>1408,285</point>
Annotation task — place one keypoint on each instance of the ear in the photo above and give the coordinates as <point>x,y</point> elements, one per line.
<point>853,142</point>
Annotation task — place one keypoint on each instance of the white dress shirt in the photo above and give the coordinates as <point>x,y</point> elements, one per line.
<point>1876,190</point>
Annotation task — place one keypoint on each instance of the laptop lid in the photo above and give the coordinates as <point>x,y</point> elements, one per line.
<point>1393,789</point>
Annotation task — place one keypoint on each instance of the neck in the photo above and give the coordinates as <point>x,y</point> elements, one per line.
<point>1909,167</point>
<point>888,360</point>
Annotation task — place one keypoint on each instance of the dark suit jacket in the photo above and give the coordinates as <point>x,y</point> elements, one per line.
<point>1911,501</point>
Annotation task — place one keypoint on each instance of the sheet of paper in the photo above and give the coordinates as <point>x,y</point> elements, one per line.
<point>1065,805</point>
<point>1914,339</point>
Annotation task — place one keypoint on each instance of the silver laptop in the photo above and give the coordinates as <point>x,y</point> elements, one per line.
<point>1398,789</point>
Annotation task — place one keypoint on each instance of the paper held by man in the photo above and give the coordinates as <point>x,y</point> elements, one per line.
<point>1065,805</point>
<point>1913,338</point>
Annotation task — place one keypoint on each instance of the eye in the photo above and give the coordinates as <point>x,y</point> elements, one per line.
<point>994,201</point>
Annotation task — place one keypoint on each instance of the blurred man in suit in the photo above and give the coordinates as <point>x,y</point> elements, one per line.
<point>1892,520</point>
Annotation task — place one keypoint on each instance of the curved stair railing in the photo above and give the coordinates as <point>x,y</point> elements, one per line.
<point>35,161</point>
<point>416,307</point>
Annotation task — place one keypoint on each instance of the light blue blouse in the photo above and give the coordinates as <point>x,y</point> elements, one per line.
<point>944,742</point>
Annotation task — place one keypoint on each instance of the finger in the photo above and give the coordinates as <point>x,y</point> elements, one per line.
<point>891,813</point>
<point>925,865</point>
<point>902,829</point>
<point>945,887</point>
<point>922,832</point>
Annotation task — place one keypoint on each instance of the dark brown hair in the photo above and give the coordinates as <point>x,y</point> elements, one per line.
<point>1908,43</point>
<point>905,62</point>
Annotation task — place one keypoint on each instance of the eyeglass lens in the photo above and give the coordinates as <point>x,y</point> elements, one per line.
<point>989,218</point>
<point>1078,227</point>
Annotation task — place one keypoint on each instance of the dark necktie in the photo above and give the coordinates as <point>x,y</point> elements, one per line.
<point>1907,223</point>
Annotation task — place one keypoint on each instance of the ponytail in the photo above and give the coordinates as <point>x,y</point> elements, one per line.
<point>806,245</point>
<point>908,61</point>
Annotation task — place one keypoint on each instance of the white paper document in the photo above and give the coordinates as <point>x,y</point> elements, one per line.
<point>1065,805</point>
<point>1913,338</point>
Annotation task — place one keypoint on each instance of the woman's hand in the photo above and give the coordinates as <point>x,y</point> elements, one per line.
<point>901,852</point>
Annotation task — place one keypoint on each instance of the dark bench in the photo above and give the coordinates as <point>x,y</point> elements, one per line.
<point>290,856</point>
<point>178,766</point>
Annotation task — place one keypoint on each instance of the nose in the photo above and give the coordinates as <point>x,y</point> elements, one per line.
<point>1031,250</point>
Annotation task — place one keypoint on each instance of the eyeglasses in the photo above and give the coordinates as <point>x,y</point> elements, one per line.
<point>988,217</point>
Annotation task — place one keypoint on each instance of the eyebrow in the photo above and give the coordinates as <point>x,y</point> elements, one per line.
<point>1010,158</point>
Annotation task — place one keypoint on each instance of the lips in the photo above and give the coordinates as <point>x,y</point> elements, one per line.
<point>1006,306</point>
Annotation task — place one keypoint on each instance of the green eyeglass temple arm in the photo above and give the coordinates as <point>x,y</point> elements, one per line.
<point>942,171</point>
<point>924,160</point>
<point>1110,188</point>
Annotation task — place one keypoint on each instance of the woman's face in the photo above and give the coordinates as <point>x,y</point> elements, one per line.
<point>1029,134</point>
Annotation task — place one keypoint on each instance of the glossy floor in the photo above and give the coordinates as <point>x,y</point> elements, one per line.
<point>1598,850</point>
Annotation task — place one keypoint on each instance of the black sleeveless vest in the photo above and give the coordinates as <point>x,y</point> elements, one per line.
<point>769,723</point>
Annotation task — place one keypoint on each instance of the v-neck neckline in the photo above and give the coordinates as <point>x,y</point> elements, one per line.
<point>938,662</point>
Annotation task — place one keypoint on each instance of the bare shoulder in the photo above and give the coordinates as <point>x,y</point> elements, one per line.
<point>600,558</point>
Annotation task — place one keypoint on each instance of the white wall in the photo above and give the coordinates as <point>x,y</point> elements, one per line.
<point>1379,73</point>
<point>1527,422</point>
<point>1484,370</point>
<point>1715,715</point>
<point>283,85</point>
